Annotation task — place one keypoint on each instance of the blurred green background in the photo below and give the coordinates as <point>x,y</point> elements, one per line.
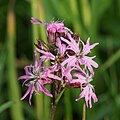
<point>99,19</point>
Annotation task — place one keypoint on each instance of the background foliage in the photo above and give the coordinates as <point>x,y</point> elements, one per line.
<point>99,19</point>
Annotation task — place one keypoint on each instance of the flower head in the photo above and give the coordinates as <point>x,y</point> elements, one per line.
<point>57,58</point>
<point>88,94</point>
<point>33,77</point>
<point>32,71</point>
<point>87,89</point>
<point>70,64</point>
<point>80,54</point>
<point>52,29</point>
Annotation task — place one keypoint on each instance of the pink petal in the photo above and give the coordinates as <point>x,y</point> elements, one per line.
<point>43,89</point>
<point>70,61</point>
<point>27,72</point>
<point>87,48</point>
<point>73,44</point>
<point>91,62</point>
<point>27,92</point>
<point>47,54</point>
<point>46,91</point>
<point>37,21</point>
<point>53,76</point>
<point>23,77</point>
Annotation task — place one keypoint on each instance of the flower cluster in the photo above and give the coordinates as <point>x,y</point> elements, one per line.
<point>70,67</point>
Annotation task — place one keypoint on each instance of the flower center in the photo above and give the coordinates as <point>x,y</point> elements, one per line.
<point>79,55</point>
<point>35,72</point>
<point>58,59</point>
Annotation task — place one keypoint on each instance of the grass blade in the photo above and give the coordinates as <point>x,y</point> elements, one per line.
<point>35,29</point>
<point>68,107</point>
<point>5,106</point>
<point>14,91</point>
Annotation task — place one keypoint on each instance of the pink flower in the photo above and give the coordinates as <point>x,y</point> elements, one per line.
<point>87,89</point>
<point>34,78</point>
<point>88,94</point>
<point>56,59</point>
<point>54,27</point>
<point>70,64</point>
<point>80,55</point>
<point>37,21</point>
<point>51,28</point>
<point>66,75</point>
<point>46,55</point>
<point>32,72</point>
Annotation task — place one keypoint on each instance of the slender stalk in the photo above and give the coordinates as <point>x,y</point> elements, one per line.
<point>5,106</point>
<point>53,109</point>
<point>14,91</point>
<point>84,112</point>
<point>54,104</point>
<point>59,96</point>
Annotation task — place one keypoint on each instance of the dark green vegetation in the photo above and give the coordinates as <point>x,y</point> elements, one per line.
<point>99,19</point>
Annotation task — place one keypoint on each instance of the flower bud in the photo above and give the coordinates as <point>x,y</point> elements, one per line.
<point>53,29</point>
<point>42,45</point>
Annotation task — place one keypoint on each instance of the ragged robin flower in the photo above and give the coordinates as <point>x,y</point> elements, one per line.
<point>80,54</point>
<point>35,79</point>
<point>70,64</point>
<point>87,90</point>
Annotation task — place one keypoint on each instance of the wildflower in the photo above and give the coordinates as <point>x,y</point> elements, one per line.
<point>84,80</point>
<point>52,29</point>
<point>37,21</point>
<point>80,54</point>
<point>88,94</point>
<point>56,59</point>
<point>70,64</point>
<point>36,78</point>
<point>32,71</point>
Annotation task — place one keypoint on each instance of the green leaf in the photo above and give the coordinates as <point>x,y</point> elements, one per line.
<point>98,9</point>
<point>5,106</point>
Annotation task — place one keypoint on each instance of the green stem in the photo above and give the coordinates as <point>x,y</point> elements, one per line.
<point>54,104</point>
<point>53,109</point>
<point>84,112</point>
<point>59,96</point>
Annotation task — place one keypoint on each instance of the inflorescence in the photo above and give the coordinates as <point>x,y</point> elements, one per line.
<point>70,66</point>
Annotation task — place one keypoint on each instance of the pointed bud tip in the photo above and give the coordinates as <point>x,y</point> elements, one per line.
<point>76,100</point>
<point>51,95</point>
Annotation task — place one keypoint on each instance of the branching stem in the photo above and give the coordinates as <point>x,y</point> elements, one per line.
<point>54,104</point>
